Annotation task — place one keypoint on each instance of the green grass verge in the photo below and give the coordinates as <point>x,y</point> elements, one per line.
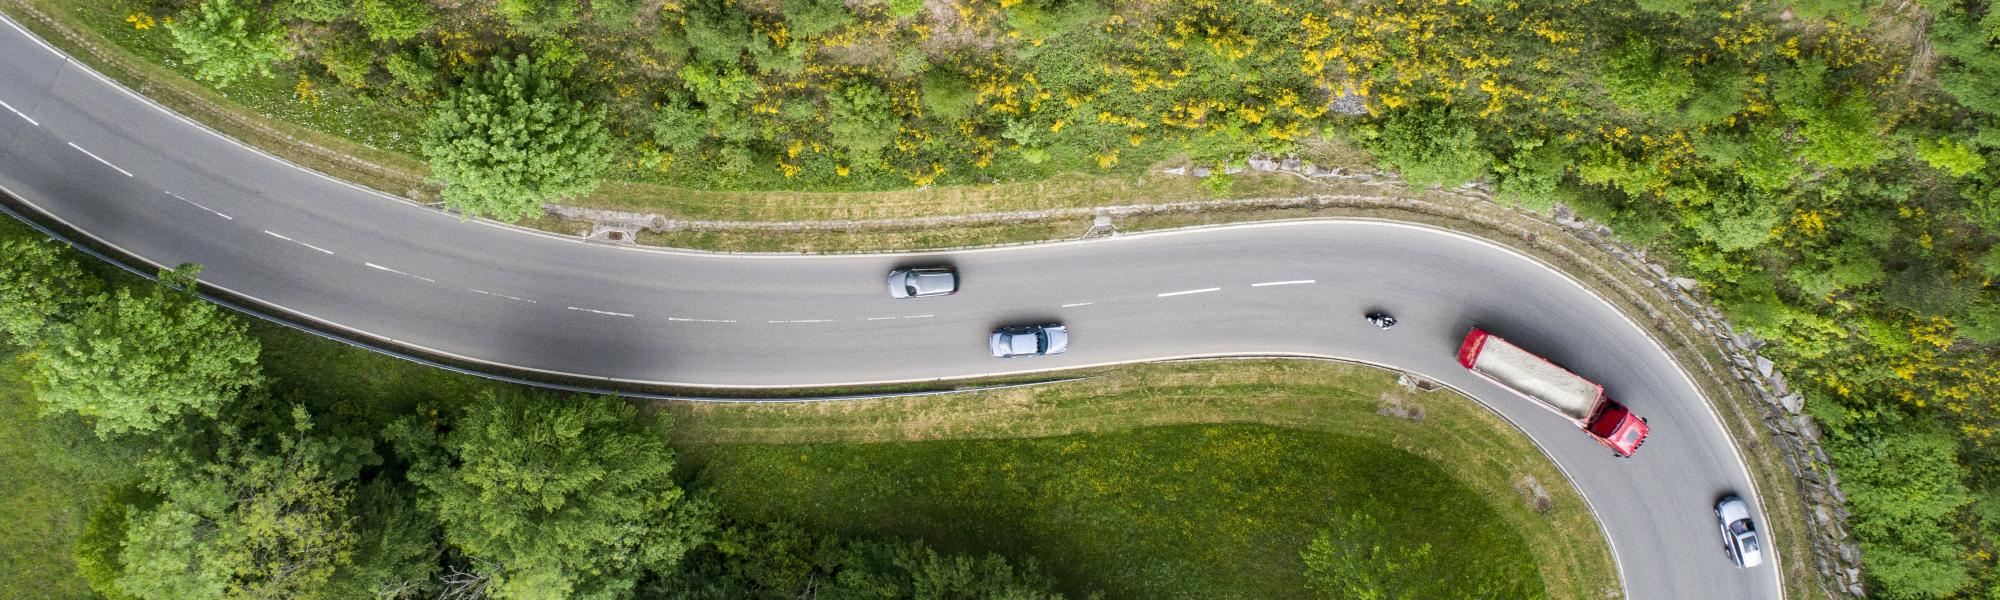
<point>44,507</point>
<point>1202,477</point>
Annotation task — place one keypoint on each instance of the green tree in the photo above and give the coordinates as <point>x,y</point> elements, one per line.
<point>513,137</point>
<point>229,40</point>
<point>1905,489</point>
<point>245,524</point>
<point>1430,144</point>
<point>416,70</point>
<point>554,497</point>
<point>862,122</point>
<point>1357,560</point>
<point>39,286</point>
<point>678,127</point>
<point>135,361</point>
<point>397,20</point>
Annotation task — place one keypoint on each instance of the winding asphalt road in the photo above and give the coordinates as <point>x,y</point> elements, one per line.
<point>130,174</point>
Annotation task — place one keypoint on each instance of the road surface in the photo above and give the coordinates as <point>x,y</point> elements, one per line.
<point>122,170</point>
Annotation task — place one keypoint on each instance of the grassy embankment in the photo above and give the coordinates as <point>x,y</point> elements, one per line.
<point>1190,479</point>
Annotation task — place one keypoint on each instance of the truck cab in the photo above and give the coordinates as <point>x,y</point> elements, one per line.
<point>1618,429</point>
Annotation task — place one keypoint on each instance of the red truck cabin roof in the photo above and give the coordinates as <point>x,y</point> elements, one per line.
<point>1468,352</point>
<point>1619,429</point>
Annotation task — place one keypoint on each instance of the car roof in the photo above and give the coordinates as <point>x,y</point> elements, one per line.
<point>1022,343</point>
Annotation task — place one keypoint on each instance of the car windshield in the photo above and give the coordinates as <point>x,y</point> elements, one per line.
<point>1740,527</point>
<point>1042,341</point>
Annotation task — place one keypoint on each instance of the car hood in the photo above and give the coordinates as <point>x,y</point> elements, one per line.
<point>1058,339</point>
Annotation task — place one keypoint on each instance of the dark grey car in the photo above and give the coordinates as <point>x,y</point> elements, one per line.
<point>923,281</point>
<point>1029,340</point>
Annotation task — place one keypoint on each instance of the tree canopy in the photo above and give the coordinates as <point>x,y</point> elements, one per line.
<point>554,498</point>
<point>229,40</point>
<point>134,361</point>
<point>510,138</point>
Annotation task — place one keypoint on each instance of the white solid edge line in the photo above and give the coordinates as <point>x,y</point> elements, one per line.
<point>1186,292</point>
<point>32,37</point>
<point>18,113</point>
<point>99,158</point>
<point>1292,282</point>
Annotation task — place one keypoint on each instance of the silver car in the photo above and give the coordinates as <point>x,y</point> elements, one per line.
<point>1029,340</point>
<point>923,281</point>
<point>1739,535</point>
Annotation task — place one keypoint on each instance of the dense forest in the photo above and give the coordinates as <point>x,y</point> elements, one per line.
<point>1829,170</point>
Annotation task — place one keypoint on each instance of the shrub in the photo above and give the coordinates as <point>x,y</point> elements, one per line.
<point>1431,145</point>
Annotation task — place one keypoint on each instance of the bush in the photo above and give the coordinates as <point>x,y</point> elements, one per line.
<point>397,20</point>
<point>1431,145</point>
<point>861,122</point>
<point>349,62</point>
<point>1951,156</point>
<point>1640,79</point>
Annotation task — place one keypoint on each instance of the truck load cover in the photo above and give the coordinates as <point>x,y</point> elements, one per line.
<point>1531,375</point>
<point>1556,388</point>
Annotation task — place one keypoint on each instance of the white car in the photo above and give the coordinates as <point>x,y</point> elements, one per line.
<point>1029,340</point>
<point>923,281</point>
<point>1739,534</point>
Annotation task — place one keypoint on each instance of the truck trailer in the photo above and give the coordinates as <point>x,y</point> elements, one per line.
<point>1548,384</point>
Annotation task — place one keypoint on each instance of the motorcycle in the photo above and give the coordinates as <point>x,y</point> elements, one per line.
<point>1381,320</point>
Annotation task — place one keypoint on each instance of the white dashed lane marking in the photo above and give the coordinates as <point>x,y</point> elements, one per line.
<point>1292,282</point>
<point>416,277</point>
<point>1186,292</point>
<point>22,115</point>
<point>881,318</point>
<point>601,312</point>
<point>687,320</point>
<point>198,205</point>
<point>803,321</point>
<point>919,316</point>
<point>1077,304</point>
<point>516,299</point>
<point>282,237</point>
<point>99,158</point>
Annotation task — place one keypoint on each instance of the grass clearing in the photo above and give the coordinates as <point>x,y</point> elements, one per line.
<point>858,469</point>
<point>44,507</point>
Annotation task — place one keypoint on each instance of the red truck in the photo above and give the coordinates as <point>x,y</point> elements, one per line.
<point>1535,378</point>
